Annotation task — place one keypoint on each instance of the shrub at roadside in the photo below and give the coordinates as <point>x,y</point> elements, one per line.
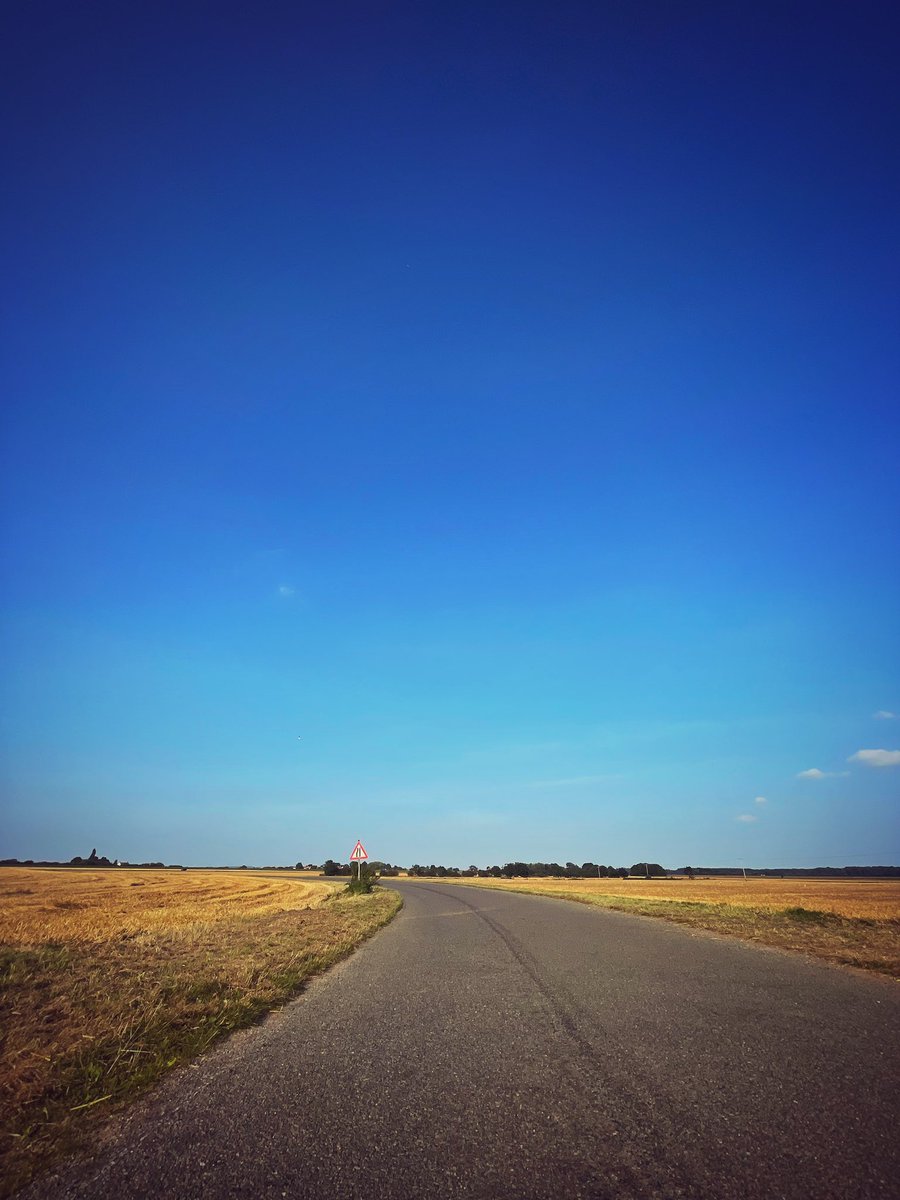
<point>363,882</point>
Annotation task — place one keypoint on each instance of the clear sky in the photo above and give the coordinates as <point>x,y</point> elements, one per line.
<point>470,428</point>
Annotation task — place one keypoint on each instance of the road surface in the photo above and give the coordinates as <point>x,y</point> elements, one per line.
<point>505,1046</point>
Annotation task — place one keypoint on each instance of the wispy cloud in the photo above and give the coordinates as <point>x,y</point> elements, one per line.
<point>570,781</point>
<point>760,800</point>
<point>884,715</point>
<point>285,590</point>
<point>815,773</point>
<point>876,758</point>
<point>747,818</point>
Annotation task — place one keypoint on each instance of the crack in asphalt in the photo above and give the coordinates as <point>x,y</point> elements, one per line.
<point>530,967</point>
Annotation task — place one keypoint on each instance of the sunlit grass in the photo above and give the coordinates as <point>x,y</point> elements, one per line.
<point>876,899</point>
<point>83,905</point>
<point>851,922</point>
<point>106,985</point>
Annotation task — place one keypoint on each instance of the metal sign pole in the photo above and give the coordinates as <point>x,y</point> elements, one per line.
<point>357,856</point>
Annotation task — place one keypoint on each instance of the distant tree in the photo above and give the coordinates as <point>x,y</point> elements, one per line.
<point>645,869</point>
<point>516,869</point>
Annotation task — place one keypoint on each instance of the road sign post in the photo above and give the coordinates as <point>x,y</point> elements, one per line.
<point>358,855</point>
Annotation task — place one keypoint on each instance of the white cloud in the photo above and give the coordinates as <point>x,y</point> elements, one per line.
<point>884,715</point>
<point>760,800</point>
<point>747,818</point>
<point>876,758</point>
<point>285,590</point>
<point>812,773</point>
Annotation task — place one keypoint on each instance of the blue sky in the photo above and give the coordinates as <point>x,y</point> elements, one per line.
<point>499,399</point>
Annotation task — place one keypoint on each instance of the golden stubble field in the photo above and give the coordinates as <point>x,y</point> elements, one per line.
<point>876,899</point>
<point>852,922</point>
<point>47,904</point>
<point>110,977</point>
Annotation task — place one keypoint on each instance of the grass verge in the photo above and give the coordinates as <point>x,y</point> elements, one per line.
<point>88,1027</point>
<point>867,943</point>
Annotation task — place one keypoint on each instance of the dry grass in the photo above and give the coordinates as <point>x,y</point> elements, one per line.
<point>852,922</point>
<point>877,899</point>
<point>61,904</point>
<point>107,985</point>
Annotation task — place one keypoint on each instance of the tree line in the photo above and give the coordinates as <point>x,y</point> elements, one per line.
<point>553,870</point>
<point>509,870</point>
<point>374,866</point>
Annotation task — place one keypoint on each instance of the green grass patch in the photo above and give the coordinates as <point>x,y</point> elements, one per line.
<point>809,916</point>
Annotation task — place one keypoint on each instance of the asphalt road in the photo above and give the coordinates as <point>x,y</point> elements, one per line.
<point>495,1045</point>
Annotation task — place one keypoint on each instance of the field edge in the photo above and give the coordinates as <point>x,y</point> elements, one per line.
<point>858,942</point>
<point>88,1095</point>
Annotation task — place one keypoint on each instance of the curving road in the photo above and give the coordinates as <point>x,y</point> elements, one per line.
<point>498,1045</point>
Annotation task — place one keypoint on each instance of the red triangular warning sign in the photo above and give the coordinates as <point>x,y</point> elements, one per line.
<point>359,853</point>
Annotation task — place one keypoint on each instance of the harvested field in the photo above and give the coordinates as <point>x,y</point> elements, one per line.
<point>853,922</point>
<point>80,905</point>
<point>110,978</point>
<point>876,899</point>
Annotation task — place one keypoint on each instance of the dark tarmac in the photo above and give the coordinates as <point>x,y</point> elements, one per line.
<point>488,1044</point>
